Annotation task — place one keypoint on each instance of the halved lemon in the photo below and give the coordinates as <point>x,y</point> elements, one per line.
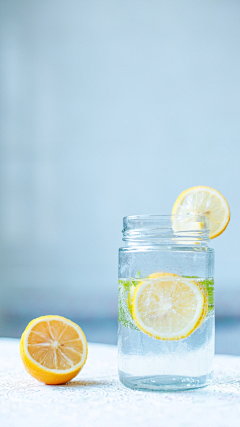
<point>169,307</point>
<point>205,201</point>
<point>53,349</point>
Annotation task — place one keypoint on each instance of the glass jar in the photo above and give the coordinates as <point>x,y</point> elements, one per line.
<point>166,261</point>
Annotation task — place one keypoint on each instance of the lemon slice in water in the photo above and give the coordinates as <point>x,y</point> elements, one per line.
<point>169,307</point>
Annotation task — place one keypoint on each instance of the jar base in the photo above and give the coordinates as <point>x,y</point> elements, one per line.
<point>165,382</point>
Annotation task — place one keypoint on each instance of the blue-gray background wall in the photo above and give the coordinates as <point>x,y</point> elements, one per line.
<point>110,108</point>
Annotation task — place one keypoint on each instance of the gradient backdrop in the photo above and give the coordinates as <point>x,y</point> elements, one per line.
<point>110,108</point>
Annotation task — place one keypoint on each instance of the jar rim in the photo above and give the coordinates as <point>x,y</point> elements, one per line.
<point>163,216</point>
<point>186,228</point>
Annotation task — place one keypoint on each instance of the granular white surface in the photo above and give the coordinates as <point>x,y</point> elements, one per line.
<point>96,398</point>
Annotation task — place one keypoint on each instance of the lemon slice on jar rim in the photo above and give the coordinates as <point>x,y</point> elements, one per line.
<point>198,201</point>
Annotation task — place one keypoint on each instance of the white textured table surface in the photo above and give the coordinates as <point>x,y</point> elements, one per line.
<point>96,398</point>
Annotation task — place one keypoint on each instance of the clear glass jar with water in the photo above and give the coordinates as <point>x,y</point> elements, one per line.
<point>168,254</point>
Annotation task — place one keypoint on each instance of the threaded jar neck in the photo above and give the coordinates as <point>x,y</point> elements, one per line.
<point>184,230</point>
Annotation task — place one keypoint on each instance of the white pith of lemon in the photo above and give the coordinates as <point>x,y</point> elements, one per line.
<point>206,201</point>
<point>169,307</point>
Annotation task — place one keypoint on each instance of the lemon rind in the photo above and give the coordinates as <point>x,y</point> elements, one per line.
<point>130,298</point>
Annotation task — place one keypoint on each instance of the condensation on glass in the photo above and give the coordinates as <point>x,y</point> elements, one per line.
<point>175,245</point>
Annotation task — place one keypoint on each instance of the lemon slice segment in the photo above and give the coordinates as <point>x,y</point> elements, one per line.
<point>132,287</point>
<point>169,307</point>
<point>205,201</point>
<point>53,349</point>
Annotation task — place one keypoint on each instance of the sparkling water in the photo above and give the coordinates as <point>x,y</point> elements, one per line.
<point>149,363</point>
